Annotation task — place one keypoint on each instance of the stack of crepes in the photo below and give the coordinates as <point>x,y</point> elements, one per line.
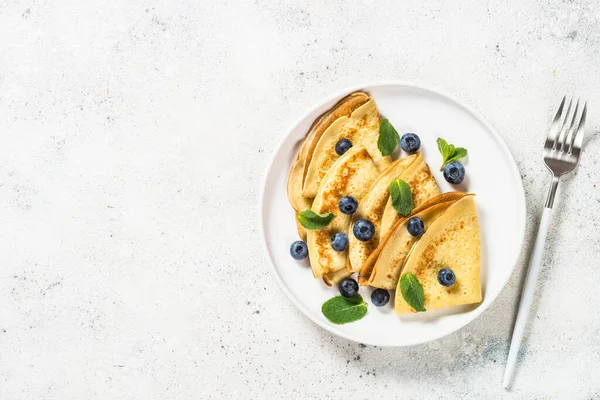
<point>319,178</point>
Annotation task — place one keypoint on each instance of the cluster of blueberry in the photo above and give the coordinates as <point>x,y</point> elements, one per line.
<point>454,172</point>
<point>349,288</point>
<point>363,230</point>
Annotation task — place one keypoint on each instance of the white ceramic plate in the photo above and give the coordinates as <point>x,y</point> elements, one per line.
<point>491,173</point>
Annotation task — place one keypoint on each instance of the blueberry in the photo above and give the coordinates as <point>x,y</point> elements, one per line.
<point>339,241</point>
<point>446,277</point>
<point>410,142</point>
<point>299,250</point>
<point>415,226</point>
<point>380,297</point>
<point>348,205</point>
<point>348,287</point>
<point>363,230</point>
<point>342,146</point>
<point>454,172</point>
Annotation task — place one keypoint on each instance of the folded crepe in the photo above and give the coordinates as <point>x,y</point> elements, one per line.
<point>341,109</point>
<point>416,173</point>
<point>382,268</point>
<point>422,187</point>
<point>452,241</point>
<point>361,127</point>
<point>294,184</point>
<point>350,175</point>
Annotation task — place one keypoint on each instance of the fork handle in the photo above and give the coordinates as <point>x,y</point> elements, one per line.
<point>533,270</point>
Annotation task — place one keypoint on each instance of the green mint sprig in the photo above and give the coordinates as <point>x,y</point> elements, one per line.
<point>449,152</point>
<point>412,291</point>
<point>401,197</point>
<point>388,138</point>
<point>341,310</point>
<point>313,221</point>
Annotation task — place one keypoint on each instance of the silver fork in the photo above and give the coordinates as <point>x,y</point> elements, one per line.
<point>561,155</point>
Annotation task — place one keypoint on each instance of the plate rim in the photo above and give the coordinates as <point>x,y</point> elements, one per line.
<point>474,314</point>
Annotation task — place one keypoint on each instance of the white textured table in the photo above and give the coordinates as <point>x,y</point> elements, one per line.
<point>133,138</point>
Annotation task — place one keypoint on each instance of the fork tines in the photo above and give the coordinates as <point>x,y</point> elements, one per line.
<point>566,133</point>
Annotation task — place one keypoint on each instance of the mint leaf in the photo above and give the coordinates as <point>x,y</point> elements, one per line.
<point>443,147</point>
<point>446,150</point>
<point>412,291</point>
<point>341,310</point>
<point>401,197</point>
<point>313,221</point>
<point>459,152</point>
<point>388,138</point>
<point>449,152</point>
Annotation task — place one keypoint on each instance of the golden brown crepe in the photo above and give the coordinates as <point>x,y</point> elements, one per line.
<point>294,185</point>
<point>452,241</point>
<point>382,268</point>
<point>422,187</point>
<point>412,170</point>
<point>350,175</point>
<point>371,207</point>
<point>361,128</point>
<point>343,108</point>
